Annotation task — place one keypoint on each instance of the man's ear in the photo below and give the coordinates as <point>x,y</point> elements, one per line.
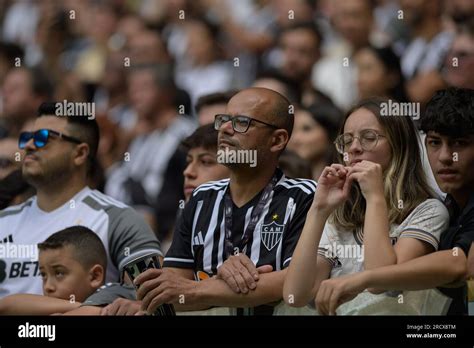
<point>81,154</point>
<point>96,276</point>
<point>279,140</point>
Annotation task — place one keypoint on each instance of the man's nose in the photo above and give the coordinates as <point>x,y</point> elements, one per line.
<point>30,145</point>
<point>227,128</point>
<point>446,155</point>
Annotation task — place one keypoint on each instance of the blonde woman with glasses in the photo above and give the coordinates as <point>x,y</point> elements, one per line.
<point>371,210</point>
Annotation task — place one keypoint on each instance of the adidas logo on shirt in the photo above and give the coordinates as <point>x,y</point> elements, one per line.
<point>8,239</point>
<point>198,240</point>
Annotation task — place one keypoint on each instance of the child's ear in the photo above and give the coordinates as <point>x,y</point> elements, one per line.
<point>96,276</point>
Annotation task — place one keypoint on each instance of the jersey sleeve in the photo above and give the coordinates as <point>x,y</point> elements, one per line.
<point>180,254</point>
<point>130,236</point>
<point>295,227</point>
<point>108,293</point>
<point>426,223</point>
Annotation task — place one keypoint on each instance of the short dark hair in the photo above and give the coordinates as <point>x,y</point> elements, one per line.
<point>205,136</point>
<point>82,127</point>
<point>214,98</point>
<point>88,249</point>
<point>450,112</point>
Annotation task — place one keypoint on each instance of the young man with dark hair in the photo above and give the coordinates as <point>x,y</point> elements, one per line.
<point>79,126</point>
<point>201,160</point>
<point>449,125</point>
<point>58,154</point>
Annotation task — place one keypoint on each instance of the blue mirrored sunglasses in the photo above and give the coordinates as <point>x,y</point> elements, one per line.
<point>41,137</point>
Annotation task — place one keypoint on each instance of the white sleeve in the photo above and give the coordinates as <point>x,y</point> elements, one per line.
<point>426,222</point>
<point>327,245</point>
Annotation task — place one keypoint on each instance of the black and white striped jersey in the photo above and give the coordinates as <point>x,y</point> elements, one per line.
<point>199,238</point>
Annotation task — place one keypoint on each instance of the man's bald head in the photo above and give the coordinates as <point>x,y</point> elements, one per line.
<point>265,104</point>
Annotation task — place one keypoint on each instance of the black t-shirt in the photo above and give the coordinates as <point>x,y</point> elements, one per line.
<point>459,234</point>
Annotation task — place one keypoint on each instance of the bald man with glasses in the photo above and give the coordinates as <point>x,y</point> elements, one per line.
<point>236,236</point>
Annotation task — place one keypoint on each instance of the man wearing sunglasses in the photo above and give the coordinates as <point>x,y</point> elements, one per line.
<point>59,154</point>
<point>233,233</point>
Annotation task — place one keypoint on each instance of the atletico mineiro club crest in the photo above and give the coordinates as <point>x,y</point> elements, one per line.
<point>271,234</point>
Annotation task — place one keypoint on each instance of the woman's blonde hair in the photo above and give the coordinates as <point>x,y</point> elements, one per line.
<point>405,185</point>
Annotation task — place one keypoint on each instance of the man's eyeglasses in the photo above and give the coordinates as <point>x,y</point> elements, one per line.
<point>368,139</point>
<point>240,123</point>
<point>41,137</point>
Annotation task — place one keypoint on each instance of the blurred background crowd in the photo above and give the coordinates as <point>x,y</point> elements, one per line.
<point>158,69</point>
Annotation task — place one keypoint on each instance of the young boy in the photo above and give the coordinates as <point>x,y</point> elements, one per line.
<point>449,125</point>
<point>72,264</point>
<point>201,159</point>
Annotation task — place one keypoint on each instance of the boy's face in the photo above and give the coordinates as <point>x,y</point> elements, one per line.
<point>452,162</point>
<point>202,167</point>
<point>64,277</point>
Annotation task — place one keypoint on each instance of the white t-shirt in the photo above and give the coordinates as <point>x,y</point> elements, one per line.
<point>344,250</point>
<point>123,232</point>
